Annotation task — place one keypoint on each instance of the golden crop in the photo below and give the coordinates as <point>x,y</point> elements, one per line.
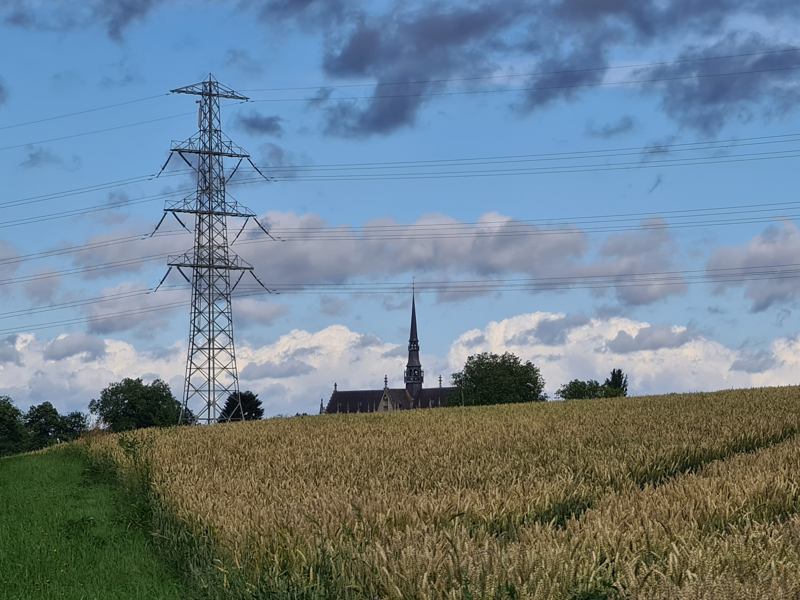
<point>680,496</point>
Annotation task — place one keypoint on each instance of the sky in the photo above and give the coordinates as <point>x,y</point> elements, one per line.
<point>590,185</point>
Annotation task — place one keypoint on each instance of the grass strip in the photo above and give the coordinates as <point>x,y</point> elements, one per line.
<point>65,534</point>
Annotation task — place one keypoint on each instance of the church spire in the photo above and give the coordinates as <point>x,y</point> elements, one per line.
<point>414,375</point>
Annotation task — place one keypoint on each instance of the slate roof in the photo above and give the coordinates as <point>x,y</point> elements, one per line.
<point>357,401</point>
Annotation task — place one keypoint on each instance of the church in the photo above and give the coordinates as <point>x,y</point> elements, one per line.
<point>413,395</point>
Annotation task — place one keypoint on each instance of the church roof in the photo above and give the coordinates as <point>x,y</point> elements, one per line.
<point>352,401</point>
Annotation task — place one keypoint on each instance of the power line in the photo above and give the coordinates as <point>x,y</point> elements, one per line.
<point>81,112</point>
<point>92,132</point>
<point>601,68</point>
<point>729,275</point>
<point>719,144</point>
<point>541,87</point>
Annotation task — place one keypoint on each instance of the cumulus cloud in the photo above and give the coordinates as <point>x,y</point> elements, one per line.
<point>653,337</point>
<point>667,358</point>
<point>9,352</point>
<point>776,245</point>
<point>756,362</point>
<point>67,345</point>
<point>498,246</point>
<point>550,332</point>
<point>291,367</point>
<point>293,372</point>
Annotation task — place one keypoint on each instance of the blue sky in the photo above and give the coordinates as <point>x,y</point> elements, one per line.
<point>498,79</point>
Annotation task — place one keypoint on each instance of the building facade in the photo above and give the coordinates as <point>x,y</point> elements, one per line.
<point>413,395</point>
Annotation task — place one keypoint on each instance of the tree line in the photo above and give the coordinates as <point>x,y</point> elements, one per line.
<point>489,378</point>
<point>122,406</point>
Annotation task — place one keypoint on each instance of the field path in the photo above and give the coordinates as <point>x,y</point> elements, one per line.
<point>64,535</point>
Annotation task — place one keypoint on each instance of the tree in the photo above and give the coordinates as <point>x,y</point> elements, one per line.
<point>44,426</point>
<point>498,379</point>
<point>73,425</point>
<point>581,390</point>
<point>13,436</point>
<point>251,406</point>
<point>131,404</point>
<point>616,384</point>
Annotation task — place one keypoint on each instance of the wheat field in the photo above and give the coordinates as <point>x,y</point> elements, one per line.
<point>679,496</point>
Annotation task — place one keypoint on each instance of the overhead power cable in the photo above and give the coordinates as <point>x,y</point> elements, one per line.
<point>538,88</point>
<point>82,112</point>
<point>600,68</point>
<point>539,284</point>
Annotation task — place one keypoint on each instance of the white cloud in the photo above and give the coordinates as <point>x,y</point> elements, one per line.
<point>292,373</point>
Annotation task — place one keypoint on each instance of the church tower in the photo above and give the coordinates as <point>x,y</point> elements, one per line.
<point>414,374</point>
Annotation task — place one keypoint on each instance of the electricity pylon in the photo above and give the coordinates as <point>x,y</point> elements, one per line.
<point>211,374</point>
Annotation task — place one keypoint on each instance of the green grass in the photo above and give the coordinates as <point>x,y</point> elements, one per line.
<point>66,533</point>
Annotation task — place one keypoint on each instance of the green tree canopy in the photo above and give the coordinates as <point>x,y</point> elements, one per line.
<point>615,385</point>
<point>581,390</point>
<point>44,425</point>
<point>498,379</point>
<point>132,404</point>
<point>251,406</point>
<point>13,436</point>
<point>73,425</point>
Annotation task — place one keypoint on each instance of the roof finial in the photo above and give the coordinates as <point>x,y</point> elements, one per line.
<point>440,381</point>
<point>334,386</point>
<point>385,381</point>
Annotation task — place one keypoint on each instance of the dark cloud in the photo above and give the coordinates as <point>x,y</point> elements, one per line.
<point>756,362</point>
<point>113,15</point>
<point>410,50</point>
<point>8,351</point>
<point>696,96</point>
<point>550,332</point>
<point>398,352</point>
<point>403,50</point>
<point>65,346</point>
<point>40,156</point>
<point>651,249</point>
<point>258,124</point>
<point>290,367</point>
<point>652,337</point>
<point>776,245</point>
<point>611,129</point>
<point>367,340</point>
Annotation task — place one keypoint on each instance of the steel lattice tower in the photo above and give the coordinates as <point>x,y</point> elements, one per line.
<point>211,374</point>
